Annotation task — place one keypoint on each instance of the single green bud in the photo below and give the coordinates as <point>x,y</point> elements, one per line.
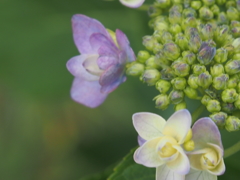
<point>236,45</point>
<point>230,49</point>
<point>150,63</point>
<point>211,92</point>
<point>215,9</point>
<point>163,86</point>
<point>149,42</point>
<point>221,55</point>
<point>206,53</point>
<point>205,13</point>
<point>175,29</point>
<point>166,37</point>
<point>235,24</point>
<point>238,88</point>
<point>232,67</point>
<point>222,18</point>
<point>179,83</point>
<point>198,69</point>
<point>216,70</point>
<point>181,41</point>
<point>162,3</point>
<point>228,107</point>
<point>219,118</point>
<point>208,2</point>
<point>181,105</point>
<point>161,60</point>
<point>154,11</point>
<point>175,15</point>
<point>192,81</point>
<point>194,39</point>
<point>230,3</point>
<point>236,56</point>
<point>205,99</point>
<point>189,57</point>
<point>150,76</point>
<point>232,13</point>
<point>204,79</point>
<point>176,96</point>
<point>171,51</point>
<point>220,82</point>
<point>143,56</point>
<point>236,32</point>
<point>189,22</point>
<point>229,95</point>
<point>162,101</point>
<point>186,3</point>
<point>160,25</point>
<point>213,106</point>
<point>221,2</point>
<point>221,34</point>
<point>196,4</point>
<point>207,32</point>
<point>167,73</point>
<point>233,82</point>
<point>157,34</point>
<point>191,93</point>
<point>135,69</point>
<point>157,47</point>
<point>180,68</point>
<point>232,123</point>
<point>189,12</point>
<point>237,103</point>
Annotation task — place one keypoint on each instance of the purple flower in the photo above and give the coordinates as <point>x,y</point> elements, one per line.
<point>100,68</point>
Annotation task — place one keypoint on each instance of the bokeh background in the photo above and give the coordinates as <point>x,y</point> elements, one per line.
<point>44,135</point>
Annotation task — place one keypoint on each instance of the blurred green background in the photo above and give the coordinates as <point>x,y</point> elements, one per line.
<point>44,135</point>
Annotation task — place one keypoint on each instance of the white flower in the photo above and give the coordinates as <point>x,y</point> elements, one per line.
<point>132,3</point>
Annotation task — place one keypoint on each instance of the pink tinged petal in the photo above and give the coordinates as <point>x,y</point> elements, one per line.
<point>141,141</point>
<point>105,61</point>
<point>90,64</point>
<point>181,164</point>
<point>164,173</point>
<point>200,175</point>
<point>147,154</point>
<point>178,125</point>
<point>83,28</point>
<point>125,45</point>
<point>205,131</point>
<point>87,93</point>
<point>132,3</point>
<point>148,125</point>
<point>76,68</point>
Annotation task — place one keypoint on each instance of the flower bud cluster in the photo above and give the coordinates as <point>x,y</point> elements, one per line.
<point>194,52</point>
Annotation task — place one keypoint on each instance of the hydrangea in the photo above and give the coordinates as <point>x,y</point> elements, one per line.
<point>100,68</point>
<point>132,3</point>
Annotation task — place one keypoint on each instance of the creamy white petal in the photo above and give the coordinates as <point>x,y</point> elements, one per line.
<point>200,175</point>
<point>164,173</point>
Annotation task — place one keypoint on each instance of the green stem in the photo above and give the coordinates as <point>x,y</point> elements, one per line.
<point>197,113</point>
<point>144,7</point>
<point>232,150</point>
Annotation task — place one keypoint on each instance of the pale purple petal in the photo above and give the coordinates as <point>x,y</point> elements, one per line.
<point>87,93</point>
<point>178,125</point>
<point>75,67</point>
<point>200,175</point>
<point>105,61</point>
<point>147,154</point>
<point>205,131</point>
<point>164,173</point>
<point>90,64</point>
<point>148,125</point>
<point>83,28</point>
<point>132,3</point>
<point>125,45</point>
<point>141,141</point>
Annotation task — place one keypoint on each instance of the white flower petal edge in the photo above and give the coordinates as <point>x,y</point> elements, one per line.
<point>200,175</point>
<point>164,173</point>
<point>132,3</point>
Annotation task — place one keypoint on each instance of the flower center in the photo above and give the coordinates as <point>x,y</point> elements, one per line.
<point>167,150</point>
<point>209,159</point>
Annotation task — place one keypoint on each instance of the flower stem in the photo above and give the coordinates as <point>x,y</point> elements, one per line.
<point>197,113</point>
<point>144,7</point>
<point>232,150</point>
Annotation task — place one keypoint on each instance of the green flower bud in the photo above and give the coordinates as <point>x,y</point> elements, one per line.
<point>211,92</point>
<point>179,83</point>
<point>232,13</point>
<point>143,56</point>
<point>166,37</point>
<point>228,107</point>
<point>149,42</point>
<point>237,103</point>
<point>222,18</point>
<point>189,22</point>
<point>157,47</point>
<point>162,101</point>
<point>216,70</point>
<point>180,68</point>
<point>161,60</point>
<point>175,29</point>
<point>196,4</point>
<point>150,63</point>
<point>181,41</point>
<point>198,69</point>
<point>175,15</point>
<point>150,76</point>
<point>238,87</point>
<point>221,34</point>
<point>135,69</point>
<point>219,118</point>
<point>176,96</point>
<point>213,106</point>
<point>192,81</point>
<point>220,82</point>
<point>232,67</point>
<point>229,95</point>
<point>236,45</point>
<point>221,55</point>
<point>207,32</point>
<point>208,2</point>
<point>236,56</point>
<point>230,49</point>
<point>162,3</point>
<point>191,93</point>
<point>181,105</point>
<point>167,73</point>
<point>189,57</point>
<point>233,82</point>
<point>163,86</point>
<point>186,3</point>
<point>230,3</point>
<point>235,24</point>
<point>204,79</point>
<point>205,13</point>
<point>221,2</point>
<point>171,51</point>
<point>154,11</point>
<point>205,99</point>
<point>189,12</point>
<point>236,32</point>
<point>160,25</point>
<point>206,53</point>
<point>215,9</point>
<point>232,123</point>
<point>238,5</point>
<point>194,39</point>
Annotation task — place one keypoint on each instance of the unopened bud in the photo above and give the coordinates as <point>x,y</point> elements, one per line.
<point>206,53</point>
<point>175,15</point>
<point>208,2</point>
<point>221,55</point>
<point>236,32</point>
<point>150,63</point>
<point>162,101</point>
<point>229,95</point>
<point>175,29</point>
<point>189,145</point>
<point>198,69</point>
<point>179,83</point>
<point>149,42</point>
<point>205,99</point>
<point>181,105</point>
<point>220,82</point>
<point>204,79</point>
<point>207,32</point>
<point>176,96</point>
<point>171,51</point>
<point>166,37</point>
<point>205,13</point>
<point>181,41</point>
<point>222,18</point>
<point>215,9</point>
<point>161,60</point>
<point>167,73</point>
<point>233,82</point>
<point>189,12</point>
<point>163,86</point>
<point>216,70</point>
<point>221,2</point>
<point>194,40</point>
<point>154,11</point>
<point>150,76</point>
<point>228,107</point>
<point>219,118</point>
<point>163,3</point>
<point>232,67</point>
<point>232,123</point>
<point>232,13</point>
<point>180,68</point>
<point>236,45</point>
<point>237,103</point>
<point>189,22</point>
<point>196,4</point>
<point>191,93</point>
<point>192,81</point>
<point>238,88</point>
<point>238,5</point>
<point>160,24</point>
<point>189,57</point>
<point>143,56</point>
<point>135,69</point>
<point>236,56</point>
<point>213,106</point>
